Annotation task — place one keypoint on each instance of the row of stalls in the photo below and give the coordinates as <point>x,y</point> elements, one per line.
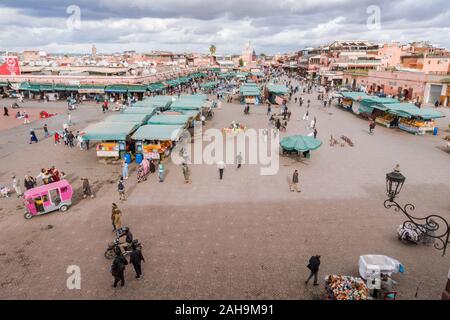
<point>58,91</point>
<point>148,129</point>
<point>391,113</point>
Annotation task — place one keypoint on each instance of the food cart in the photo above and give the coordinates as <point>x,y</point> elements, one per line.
<point>113,137</point>
<point>156,141</point>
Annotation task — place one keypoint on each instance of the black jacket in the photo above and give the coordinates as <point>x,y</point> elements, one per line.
<point>118,265</point>
<point>136,257</point>
<point>314,263</point>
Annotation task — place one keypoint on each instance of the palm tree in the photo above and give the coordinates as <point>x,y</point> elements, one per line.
<point>212,49</point>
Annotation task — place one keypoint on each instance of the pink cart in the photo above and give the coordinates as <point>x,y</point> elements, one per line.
<point>48,198</point>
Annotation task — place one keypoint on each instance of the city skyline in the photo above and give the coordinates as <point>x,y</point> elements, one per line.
<point>287,26</point>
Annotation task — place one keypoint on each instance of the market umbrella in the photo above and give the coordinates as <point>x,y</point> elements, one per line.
<point>300,143</point>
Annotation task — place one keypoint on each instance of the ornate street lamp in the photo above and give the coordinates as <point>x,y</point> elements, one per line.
<point>434,227</point>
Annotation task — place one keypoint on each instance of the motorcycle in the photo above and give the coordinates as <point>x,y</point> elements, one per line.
<point>113,248</point>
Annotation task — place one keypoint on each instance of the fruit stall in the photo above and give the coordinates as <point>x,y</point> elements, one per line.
<point>340,287</point>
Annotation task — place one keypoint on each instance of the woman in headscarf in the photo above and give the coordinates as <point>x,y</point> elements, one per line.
<point>116,217</point>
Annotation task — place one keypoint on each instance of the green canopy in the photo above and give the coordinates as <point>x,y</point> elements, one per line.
<point>364,109</point>
<point>140,110</point>
<point>72,88</point>
<point>117,89</point>
<point>163,119</point>
<point>59,87</point>
<point>109,131</point>
<point>209,85</point>
<point>409,110</point>
<point>91,88</point>
<point>153,87</point>
<point>137,88</point>
<point>46,87</point>
<point>138,118</point>
<point>300,143</point>
<point>27,86</point>
<point>190,113</point>
<point>173,82</point>
<point>277,89</point>
<point>187,104</point>
<point>198,75</point>
<point>249,89</point>
<point>199,96</point>
<point>355,96</point>
<point>158,132</point>
<point>159,102</point>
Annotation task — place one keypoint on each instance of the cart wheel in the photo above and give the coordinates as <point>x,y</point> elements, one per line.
<point>28,216</point>
<point>63,208</point>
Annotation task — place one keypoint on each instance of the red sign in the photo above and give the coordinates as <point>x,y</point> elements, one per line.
<point>9,66</point>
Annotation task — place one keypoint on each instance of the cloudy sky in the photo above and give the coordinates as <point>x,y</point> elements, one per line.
<point>273,26</point>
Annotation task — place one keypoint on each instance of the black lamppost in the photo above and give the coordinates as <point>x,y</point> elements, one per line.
<point>434,227</point>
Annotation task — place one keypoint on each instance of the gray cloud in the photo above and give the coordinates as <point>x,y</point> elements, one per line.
<point>180,25</point>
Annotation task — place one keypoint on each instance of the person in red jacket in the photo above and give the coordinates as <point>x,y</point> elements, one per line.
<point>57,138</point>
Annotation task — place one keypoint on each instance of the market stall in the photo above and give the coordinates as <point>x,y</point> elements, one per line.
<point>209,86</point>
<point>340,287</point>
<point>276,93</point>
<point>164,119</point>
<point>140,110</point>
<point>412,119</point>
<point>156,141</point>
<point>159,102</point>
<point>350,100</point>
<point>114,138</point>
<point>250,93</point>
<point>138,118</point>
<point>187,104</point>
<point>373,105</point>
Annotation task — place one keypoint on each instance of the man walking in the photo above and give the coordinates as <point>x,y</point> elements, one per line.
<point>161,170</point>
<point>118,269</point>
<point>186,173</point>
<point>294,185</point>
<point>239,160</point>
<point>371,126</point>
<point>121,189</point>
<point>46,134</point>
<point>135,259</point>
<point>221,167</point>
<point>313,266</point>
<point>269,109</point>
<point>87,192</point>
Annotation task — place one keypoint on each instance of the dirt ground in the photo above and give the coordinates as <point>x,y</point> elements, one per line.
<point>245,237</point>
